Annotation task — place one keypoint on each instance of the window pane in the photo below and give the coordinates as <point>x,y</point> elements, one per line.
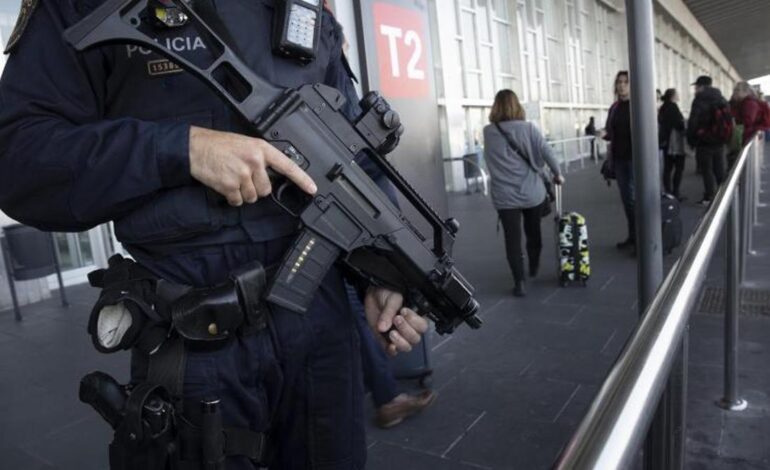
<point>469,41</point>
<point>66,256</point>
<point>483,21</point>
<point>501,8</point>
<point>473,85</point>
<point>86,254</point>
<point>504,48</point>
<point>487,73</point>
<point>507,82</point>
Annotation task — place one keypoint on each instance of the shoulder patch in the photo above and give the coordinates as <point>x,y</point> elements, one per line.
<point>25,13</point>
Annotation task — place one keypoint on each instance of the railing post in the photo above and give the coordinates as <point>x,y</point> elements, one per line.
<point>751,174</point>
<point>743,195</point>
<point>730,400</point>
<point>661,444</point>
<point>757,168</point>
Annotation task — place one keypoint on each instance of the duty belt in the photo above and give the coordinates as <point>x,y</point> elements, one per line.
<point>158,318</point>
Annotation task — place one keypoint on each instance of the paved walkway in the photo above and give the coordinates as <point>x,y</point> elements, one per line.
<point>511,393</point>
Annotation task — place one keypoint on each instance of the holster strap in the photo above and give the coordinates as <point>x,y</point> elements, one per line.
<point>240,441</point>
<point>167,365</point>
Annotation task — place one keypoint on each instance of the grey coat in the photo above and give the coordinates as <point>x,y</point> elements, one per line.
<point>514,185</point>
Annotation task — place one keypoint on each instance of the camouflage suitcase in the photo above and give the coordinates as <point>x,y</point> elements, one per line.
<point>574,262</point>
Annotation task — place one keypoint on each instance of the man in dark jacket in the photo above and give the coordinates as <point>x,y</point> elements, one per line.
<point>709,149</point>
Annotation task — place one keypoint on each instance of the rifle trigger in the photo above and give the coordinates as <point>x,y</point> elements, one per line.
<point>279,195</point>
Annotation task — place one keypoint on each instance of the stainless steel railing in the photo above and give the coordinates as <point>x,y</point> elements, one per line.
<point>483,174</point>
<point>576,149</point>
<point>616,424</point>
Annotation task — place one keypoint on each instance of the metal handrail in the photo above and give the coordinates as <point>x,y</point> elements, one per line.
<point>592,152</point>
<point>484,174</point>
<point>572,139</point>
<point>616,424</point>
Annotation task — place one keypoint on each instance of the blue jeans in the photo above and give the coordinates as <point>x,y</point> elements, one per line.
<point>624,173</point>
<point>378,375</point>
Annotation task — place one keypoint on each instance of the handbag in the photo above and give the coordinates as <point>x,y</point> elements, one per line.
<point>545,207</point>
<point>608,167</point>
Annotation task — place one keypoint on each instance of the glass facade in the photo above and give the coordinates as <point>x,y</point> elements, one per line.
<point>559,56</point>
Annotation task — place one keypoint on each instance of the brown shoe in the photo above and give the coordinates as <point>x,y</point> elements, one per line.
<point>402,407</point>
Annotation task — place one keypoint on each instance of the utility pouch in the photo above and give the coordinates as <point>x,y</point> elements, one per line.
<point>215,314</point>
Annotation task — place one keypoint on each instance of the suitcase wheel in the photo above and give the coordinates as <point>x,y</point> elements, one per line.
<point>584,282</point>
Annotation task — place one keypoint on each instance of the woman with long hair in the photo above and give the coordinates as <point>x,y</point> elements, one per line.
<point>671,139</point>
<point>619,134</point>
<point>516,152</point>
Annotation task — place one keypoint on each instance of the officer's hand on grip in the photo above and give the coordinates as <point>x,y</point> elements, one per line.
<point>388,317</point>
<point>236,165</point>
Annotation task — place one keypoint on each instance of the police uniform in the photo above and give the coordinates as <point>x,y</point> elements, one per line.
<point>103,135</point>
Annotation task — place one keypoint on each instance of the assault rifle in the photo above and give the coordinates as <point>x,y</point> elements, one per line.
<point>350,219</point>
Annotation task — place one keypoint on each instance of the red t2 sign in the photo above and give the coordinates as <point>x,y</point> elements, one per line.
<point>401,50</point>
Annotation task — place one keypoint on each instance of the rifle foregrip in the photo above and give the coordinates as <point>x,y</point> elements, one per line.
<point>301,272</point>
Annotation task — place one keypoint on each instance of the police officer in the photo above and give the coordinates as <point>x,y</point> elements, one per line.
<point>117,133</point>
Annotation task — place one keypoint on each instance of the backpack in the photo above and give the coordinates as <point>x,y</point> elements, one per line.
<point>719,128</point>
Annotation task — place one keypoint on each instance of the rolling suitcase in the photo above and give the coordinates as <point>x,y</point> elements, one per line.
<point>572,254</point>
<point>672,223</point>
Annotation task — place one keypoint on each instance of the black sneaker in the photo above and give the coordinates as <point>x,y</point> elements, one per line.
<point>627,243</point>
<point>519,290</point>
<point>533,270</point>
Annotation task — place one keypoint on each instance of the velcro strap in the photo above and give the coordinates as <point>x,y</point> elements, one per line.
<point>237,442</point>
<point>240,441</point>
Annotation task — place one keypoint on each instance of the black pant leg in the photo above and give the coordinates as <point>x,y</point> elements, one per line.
<point>668,167</point>
<point>511,220</point>
<point>706,163</point>
<point>678,172</point>
<point>719,164</point>
<point>534,237</point>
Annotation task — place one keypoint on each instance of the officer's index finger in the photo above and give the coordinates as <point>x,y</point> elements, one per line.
<point>283,165</point>
<point>390,308</point>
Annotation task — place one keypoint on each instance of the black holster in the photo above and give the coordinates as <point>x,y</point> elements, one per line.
<point>146,439</point>
<point>151,432</point>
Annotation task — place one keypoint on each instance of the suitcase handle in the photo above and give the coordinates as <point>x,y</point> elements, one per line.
<point>558,200</point>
